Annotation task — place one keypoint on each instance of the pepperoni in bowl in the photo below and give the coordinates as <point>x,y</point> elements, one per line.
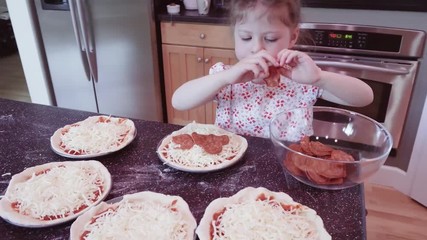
<point>318,148</point>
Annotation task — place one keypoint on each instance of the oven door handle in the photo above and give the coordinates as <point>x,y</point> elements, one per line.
<point>358,66</point>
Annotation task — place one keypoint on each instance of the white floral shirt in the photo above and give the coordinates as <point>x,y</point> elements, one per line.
<point>247,108</point>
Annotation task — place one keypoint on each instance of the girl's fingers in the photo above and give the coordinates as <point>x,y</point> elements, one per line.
<point>264,66</point>
<point>287,57</point>
<point>255,70</point>
<point>270,59</point>
<point>285,72</point>
<point>283,56</point>
<point>266,57</point>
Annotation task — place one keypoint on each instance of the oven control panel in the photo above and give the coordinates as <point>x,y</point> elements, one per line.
<point>351,40</point>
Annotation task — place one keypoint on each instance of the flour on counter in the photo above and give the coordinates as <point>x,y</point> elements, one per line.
<point>7,117</point>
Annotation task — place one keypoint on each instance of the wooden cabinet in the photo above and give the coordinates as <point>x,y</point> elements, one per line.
<point>189,50</point>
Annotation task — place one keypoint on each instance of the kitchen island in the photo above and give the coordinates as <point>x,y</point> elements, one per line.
<point>25,130</point>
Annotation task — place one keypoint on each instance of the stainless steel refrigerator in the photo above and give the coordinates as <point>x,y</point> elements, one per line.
<point>102,56</point>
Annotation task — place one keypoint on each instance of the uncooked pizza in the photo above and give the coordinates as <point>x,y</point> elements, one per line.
<point>143,215</point>
<point>94,136</point>
<point>201,148</point>
<point>54,193</point>
<point>257,213</point>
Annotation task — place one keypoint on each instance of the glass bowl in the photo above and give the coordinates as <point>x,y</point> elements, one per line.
<point>329,148</point>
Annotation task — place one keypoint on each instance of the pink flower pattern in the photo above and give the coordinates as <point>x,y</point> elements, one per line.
<point>247,108</point>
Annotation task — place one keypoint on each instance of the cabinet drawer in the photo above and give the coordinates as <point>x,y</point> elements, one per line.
<point>201,35</point>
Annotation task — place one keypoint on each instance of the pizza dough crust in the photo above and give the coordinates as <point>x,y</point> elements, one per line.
<point>251,194</point>
<point>77,227</point>
<point>213,129</point>
<point>12,216</point>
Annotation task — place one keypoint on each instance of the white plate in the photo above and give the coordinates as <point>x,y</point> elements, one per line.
<point>55,141</point>
<point>13,217</point>
<point>204,129</point>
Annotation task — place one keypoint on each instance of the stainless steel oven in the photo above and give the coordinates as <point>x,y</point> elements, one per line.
<point>385,58</point>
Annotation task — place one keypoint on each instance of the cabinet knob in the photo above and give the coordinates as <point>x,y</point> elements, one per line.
<point>199,59</point>
<point>202,36</point>
<point>207,60</point>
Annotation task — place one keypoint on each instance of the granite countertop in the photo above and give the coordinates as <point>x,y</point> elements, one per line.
<point>25,130</point>
<point>220,15</point>
<point>215,16</point>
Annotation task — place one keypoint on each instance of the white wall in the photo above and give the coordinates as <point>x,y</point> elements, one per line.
<point>418,167</point>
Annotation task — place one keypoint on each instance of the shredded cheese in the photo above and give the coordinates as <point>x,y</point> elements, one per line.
<point>57,192</point>
<point>137,220</point>
<point>91,136</point>
<point>263,220</point>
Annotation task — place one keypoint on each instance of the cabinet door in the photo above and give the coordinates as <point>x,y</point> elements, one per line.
<point>180,64</point>
<point>212,56</point>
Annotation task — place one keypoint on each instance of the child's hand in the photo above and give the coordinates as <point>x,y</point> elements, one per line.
<point>304,70</point>
<point>252,67</point>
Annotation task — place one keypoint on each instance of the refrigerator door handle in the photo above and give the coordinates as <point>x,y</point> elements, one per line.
<point>80,41</point>
<point>87,33</point>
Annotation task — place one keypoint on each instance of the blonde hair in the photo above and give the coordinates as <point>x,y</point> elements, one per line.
<point>291,18</point>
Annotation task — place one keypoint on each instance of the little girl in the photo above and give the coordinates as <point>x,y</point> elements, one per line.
<point>264,33</point>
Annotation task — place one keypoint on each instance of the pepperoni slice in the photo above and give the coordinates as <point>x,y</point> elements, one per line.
<point>305,145</point>
<point>319,149</point>
<point>290,166</point>
<point>317,171</point>
<point>316,178</point>
<point>224,139</point>
<point>274,78</point>
<point>212,146</point>
<point>339,155</point>
<point>184,140</point>
<point>334,169</point>
<point>211,143</point>
<point>330,169</point>
<point>199,139</point>
<point>298,160</point>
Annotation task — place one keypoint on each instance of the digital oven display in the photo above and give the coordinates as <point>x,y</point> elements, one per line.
<point>353,40</point>
<point>339,36</point>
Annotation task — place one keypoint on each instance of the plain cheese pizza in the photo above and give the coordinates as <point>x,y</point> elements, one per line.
<point>256,214</point>
<point>53,193</point>
<point>94,136</point>
<point>143,215</point>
